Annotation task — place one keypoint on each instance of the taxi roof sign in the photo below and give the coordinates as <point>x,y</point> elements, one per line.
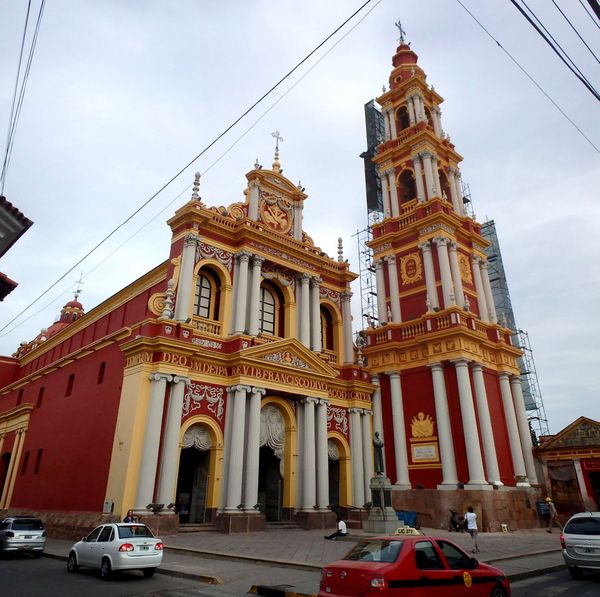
<point>406,530</point>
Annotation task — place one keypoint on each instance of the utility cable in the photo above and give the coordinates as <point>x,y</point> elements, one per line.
<point>595,7</point>
<point>529,76</point>
<point>541,33</point>
<point>164,186</point>
<point>576,32</point>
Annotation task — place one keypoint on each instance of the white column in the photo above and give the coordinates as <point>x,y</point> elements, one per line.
<point>430,283</point>
<point>250,498</point>
<point>254,308</point>
<point>298,221</point>
<point>428,173</point>
<point>358,486</point>
<point>386,125</point>
<point>402,478</point>
<point>394,292</point>
<point>437,129</point>
<point>416,160</point>
<point>459,293</point>
<point>152,431</point>
<point>322,457</point>
<point>485,424</point>
<point>487,289</point>
<point>309,463</point>
<point>347,317</point>
<point>412,117</point>
<point>385,193</point>
<point>514,440</point>
<point>236,451</point>
<point>469,423</point>
<point>447,288</point>
<point>392,117</point>
<point>380,281</point>
<point>170,451</point>
<point>315,314</point>
<point>524,430</point>
<point>436,175</point>
<point>481,302</point>
<point>305,310</point>
<point>227,446</point>
<point>449,476</point>
<point>186,277</point>
<point>367,445</point>
<point>253,199</point>
<point>395,207</point>
<point>241,297</point>
<point>419,111</point>
<point>455,193</point>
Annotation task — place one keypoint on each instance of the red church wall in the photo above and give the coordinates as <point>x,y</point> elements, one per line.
<point>75,435</point>
<point>492,388</point>
<point>417,392</point>
<point>388,428</point>
<point>413,306</point>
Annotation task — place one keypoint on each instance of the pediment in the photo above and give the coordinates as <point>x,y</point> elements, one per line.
<point>583,432</point>
<point>288,353</point>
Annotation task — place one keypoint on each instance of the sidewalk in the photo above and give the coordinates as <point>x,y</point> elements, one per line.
<point>240,560</point>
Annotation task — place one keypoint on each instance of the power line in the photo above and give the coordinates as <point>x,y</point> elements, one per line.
<point>576,32</point>
<point>164,186</point>
<point>587,84</point>
<point>529,76</point>
<point>595,7</point>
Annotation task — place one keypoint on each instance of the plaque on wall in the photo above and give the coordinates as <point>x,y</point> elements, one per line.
<point>425,452</point>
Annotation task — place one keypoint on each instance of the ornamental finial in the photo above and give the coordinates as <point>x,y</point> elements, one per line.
<point>196,187</point>
<point>78,289</point>
<point>402,32</point>
<point>340,250</point>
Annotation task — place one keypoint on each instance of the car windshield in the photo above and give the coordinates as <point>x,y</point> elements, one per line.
<point>583,526</point>
<point>27,524</point>
<point>375,550</point>
<point>137,530</point>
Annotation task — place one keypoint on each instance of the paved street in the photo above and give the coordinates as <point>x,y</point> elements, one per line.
<point>557,583</point>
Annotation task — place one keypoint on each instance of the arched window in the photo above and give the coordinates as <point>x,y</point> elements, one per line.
<point>206,299</point>
<point>428,116</point>
<point>402,118</point>
<point>271,310</point>
<point>445,185</point>
<point>326,330</point>
<point>406,186</point>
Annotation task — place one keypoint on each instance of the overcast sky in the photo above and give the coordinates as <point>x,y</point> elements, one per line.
<point>123,94</point>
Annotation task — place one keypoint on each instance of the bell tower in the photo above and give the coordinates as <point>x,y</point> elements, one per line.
<point>449,403</point>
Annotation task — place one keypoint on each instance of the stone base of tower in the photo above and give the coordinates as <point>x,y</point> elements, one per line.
<point>319,519</point>
<point>511,506</point>
<point>242,522</point>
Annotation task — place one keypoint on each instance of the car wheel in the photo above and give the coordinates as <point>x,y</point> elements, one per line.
<point>575,572</point>
<point>72,563</point>
<point>105,569</point>
<point>149,572</point>
<point>498,592</point>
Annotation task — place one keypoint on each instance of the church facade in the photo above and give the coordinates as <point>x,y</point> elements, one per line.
<point>225,385</point>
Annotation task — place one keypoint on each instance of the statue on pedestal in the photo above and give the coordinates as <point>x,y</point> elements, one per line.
<point>378,445</point>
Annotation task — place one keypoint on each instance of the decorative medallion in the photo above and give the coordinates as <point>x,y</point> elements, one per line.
<point>209,252</point>
<point>421,425</point>
<point>285,357</point>
<point>465,268</point>
<point>276,213</point>
<point>197,436</point>
<point>411,269</point>
<point>337,419</point>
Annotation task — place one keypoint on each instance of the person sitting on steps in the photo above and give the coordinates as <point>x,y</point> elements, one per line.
<point>341,530</point>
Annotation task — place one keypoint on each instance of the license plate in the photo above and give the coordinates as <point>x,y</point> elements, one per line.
<point>590,550</point>
<point>28,537</point>
<point>144,547</point>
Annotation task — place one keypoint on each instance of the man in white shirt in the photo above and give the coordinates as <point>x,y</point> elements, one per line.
<point>341,530</point>
<point>471,519</point>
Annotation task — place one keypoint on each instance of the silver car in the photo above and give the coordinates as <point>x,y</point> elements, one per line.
<point>118,546</point>
<point>22,533</point>
<point>580,541</point>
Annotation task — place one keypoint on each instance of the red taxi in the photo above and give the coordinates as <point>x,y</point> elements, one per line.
<point>412,565</point>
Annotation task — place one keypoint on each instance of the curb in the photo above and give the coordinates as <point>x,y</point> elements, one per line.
<point>166,571</point>
<point>533,573</point>
<point>518,556</point>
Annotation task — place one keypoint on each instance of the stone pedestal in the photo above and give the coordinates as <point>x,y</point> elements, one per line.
<point>382,517</point>
<point>244,522</point>
<point>319,519</point>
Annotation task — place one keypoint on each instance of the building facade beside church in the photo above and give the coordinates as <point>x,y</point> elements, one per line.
<point>226,386</point>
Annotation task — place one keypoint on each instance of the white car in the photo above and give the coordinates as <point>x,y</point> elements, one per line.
<point>117,546</point>
<point>580,542</point>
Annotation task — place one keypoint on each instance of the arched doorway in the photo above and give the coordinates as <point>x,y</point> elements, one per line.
<point>334,473</point>
<point>270,468</point>
<point>193,478</point>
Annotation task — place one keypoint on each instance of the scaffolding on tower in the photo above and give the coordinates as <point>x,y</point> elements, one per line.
<point>536,413</point>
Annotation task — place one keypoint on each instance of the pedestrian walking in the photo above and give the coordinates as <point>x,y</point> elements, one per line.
<point>471,519</point>
<point>341,529</point>
<point>553,516</point>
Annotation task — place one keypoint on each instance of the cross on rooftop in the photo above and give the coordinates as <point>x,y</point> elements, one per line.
<point>278,138</point>
<point>402,32</point>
